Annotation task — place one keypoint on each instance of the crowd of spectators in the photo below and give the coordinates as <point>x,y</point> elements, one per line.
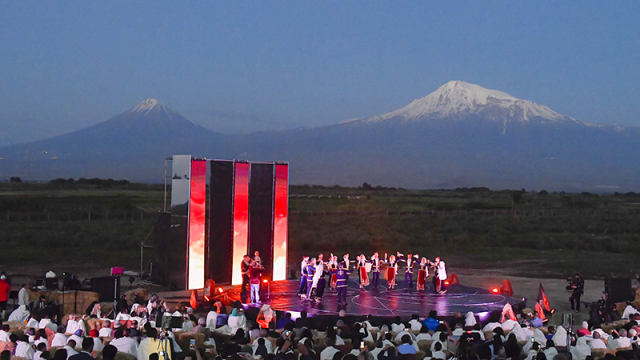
<point>137,332</point>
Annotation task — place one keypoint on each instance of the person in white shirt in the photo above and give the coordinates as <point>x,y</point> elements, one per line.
<point>212,318</point>
<point>438,352</point>
<point>125,344</point>
<point>550,351</point>
<point>490,326</point>
<point>40,348</point>
<point>105,330</point>
<point>23,295</point>
<point>508,323</point>
<point>597,342</point>
<point>98,345</point>
<point>77,336</point>
<point>424,334</point>
<point>581,350</point>
<point>4,333</point>
<point>628,310</point>
<point>71,348</point>
<point>415,323</point>
<point>32,322</point>
<point>397,326</point>
<point>41,338</point>
<point>59,339</point>
<point>440,275</point>
<point>401,334</point>
<point>329,351</point>
<point>123,316</point>
<point>23,348</point>
<point>47,323</point>
<point>74,324</point>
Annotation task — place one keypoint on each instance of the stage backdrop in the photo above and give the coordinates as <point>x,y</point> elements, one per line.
<point>220,221</point>
<point>261,213</point>
<point>247,211</point>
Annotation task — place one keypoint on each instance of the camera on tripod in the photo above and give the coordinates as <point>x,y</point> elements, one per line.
<point>569,286</point>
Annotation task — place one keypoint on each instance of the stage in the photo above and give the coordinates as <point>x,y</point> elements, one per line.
<point>403,302</point>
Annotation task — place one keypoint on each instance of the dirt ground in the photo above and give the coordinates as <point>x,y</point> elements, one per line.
<point>528,287</point>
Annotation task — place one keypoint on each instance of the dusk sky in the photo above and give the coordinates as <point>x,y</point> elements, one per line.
<point>241,66</point>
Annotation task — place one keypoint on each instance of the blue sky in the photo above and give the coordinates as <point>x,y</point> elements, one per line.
<point>254,65</point>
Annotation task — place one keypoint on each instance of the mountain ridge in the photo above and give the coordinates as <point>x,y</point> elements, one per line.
<point>470,146</point>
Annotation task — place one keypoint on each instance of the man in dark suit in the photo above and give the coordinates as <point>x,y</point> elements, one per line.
<point>85,354</point>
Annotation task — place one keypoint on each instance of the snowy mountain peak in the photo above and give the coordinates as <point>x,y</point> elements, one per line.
<point>458,98</point>
<point>148,105</point>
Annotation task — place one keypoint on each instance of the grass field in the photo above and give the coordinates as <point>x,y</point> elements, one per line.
<point>77,227</point>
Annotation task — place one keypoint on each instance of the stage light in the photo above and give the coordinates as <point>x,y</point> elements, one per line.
<point>280,221</point>
<point>265,281</point>
<point>484,316</point>
<point>206,298</point>
<point>495,290</point>
<point>446,283</point>
<point>240,219</point>
<point>196,225</point>
<point>220,290</point>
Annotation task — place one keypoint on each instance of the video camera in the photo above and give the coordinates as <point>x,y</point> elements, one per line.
<point>569,286</point>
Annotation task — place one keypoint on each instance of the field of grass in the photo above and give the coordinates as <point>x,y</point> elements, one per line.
<point>77,226</point>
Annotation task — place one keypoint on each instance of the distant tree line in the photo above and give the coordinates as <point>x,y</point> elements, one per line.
<point>95,181</point>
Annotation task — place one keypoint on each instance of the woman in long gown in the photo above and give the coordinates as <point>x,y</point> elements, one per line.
<point>362,271</point>
<point>333,266</point>
<point>423,272</point>
<point>392,270</point>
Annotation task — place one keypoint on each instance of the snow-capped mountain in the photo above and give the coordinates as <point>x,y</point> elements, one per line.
<point>454,137</point>
<point>459,99</point>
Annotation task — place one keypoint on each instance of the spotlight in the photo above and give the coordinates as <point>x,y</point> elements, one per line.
<point>446,282</point>
<point>495,290</point>
<point>265,281</point>
<point>220,290</point>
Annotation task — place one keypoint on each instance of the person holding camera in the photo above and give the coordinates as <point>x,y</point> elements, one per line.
<point>576,287</point>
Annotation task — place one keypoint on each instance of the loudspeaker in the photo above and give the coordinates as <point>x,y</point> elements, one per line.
<point>619,289</point>
<point>568,318</point>
<point>107,286</point>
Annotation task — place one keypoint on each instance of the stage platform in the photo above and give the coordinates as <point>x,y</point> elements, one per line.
<point>403,302</point>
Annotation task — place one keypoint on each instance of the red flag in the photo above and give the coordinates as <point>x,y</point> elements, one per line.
<point>542,298</point>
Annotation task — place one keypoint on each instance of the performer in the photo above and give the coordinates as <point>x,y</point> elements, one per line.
<point>423,272</point>
<point>303,276</point>
<point>346,262</point>
<point>244,269</point>
<point>408,273</point>
<point>311,271</point>
<point>440,275</point>
<point>391,271</point>
<point>256,258</point>
<point>362,271</point>
<point>342,279</point>
<point>577,289</point>
<point>319,281</point>
<point>333,266</point>
<point>375,270</point>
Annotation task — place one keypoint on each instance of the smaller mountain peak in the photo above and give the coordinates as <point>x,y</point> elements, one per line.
<point>146,106</point>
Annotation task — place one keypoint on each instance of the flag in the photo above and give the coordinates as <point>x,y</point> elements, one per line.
<point>542,299</point>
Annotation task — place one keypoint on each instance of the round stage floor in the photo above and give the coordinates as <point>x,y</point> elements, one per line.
<point>283,295</point>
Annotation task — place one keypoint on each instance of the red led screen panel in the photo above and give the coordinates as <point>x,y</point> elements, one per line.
<point>240,219</point>
<point>280,222</point>
<point>195,239</point>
